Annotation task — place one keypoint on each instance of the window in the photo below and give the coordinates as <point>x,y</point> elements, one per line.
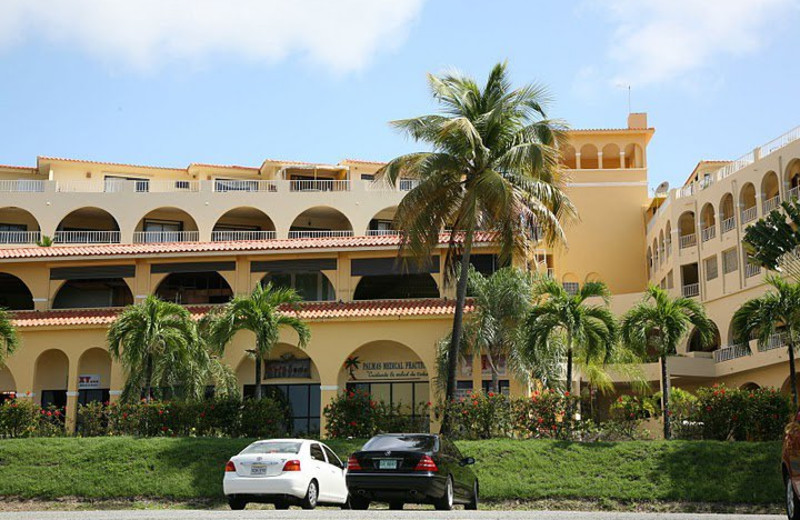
<point>571,287</point>
<point>332,458</point>
<point>463,389</point>
<point>265,447</point>
<point>380,225</point>
<point>303,400</point>
<point>95,395</point>
<point>730,261</point>
<point>408,396</point>
<point>503,384</point>
<point>367,177</point>
<point>165,226</point>
<point>316,452</point>
<point>311,285</point>
<point>710,267</point>
<point>12,233</point>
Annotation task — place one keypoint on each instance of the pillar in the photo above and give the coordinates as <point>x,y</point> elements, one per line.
<point>72,396</point>
<point>577,160</point>
<point>622,159</point>
<point>328,393</point>
<point>600,160</point>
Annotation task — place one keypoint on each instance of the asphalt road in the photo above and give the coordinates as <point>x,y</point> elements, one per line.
<point>364,515</point>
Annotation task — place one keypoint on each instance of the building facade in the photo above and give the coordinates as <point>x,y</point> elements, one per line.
<point>201,234</point>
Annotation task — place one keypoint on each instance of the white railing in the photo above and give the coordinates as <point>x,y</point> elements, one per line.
<point>382,232</point>
<point>155,237</point>
<point>794,193</point>
<point>780,142</point>
<point>749,214</point>
<point>173,186</point>
<point>771,204</point>
<point>86,237</point>
<point>728,224</point>
<point>241,235</point>
<point>763,150</point>
<point>691,290</point>
<point>668,245</point>
<point>688,240</point>
<point>21,186</point>
<point>238,186</point>
<point>320,234</point>
<point>777,340</point>
<point>19,237</point>
<point>408,184</point>
<point>98,186</point>
<point>708,233</point>
<point>731,352</point>
<point>751,270</point>
<point>319,185</point>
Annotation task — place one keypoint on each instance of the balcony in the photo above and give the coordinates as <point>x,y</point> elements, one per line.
<point>241,236</point>
<point>691,290</point>
<point>320,233</point>
<point>771,204</point>
<point>86,237</point>
<point>731,352</point>
<point>250,186</point>
<point>319,185</point>
<point>751,270</point>
<point>728,224</point>
<point>708,233</point>
<point>793,193</point>
<point>687,241</point>
<point>777,340</point>
<point>749,214</point>
<point>19,237</point>
<point>155,237</point>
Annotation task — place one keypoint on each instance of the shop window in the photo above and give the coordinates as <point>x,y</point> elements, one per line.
<point>95,395</point>
<point>303,400</point>
<point>409,396</point>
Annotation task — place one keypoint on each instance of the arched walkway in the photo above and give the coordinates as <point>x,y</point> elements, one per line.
<point>244,223</point>
<point>18,226</point>
<point>568,157</point>
<point>382,223</point>
<point>14,294</point>
<point>320,221</point>
<point>93,293</point>
<point>589,157</point>
<point>94,376</point>
<point>634,156</point>
<point>747,202</point>
<point>50,375</point>
<point>396,287</point>
<point>206,287</point>
<point>87,226</point>
<point>611,157</point>
<point>166,225</point>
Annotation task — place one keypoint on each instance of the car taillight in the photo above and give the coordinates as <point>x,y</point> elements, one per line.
<point>292,465</point>
<point>353,464</point>
<point>230,466</point>
<point>426,464</point>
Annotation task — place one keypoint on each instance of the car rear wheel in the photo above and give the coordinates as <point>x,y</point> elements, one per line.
<point>792,503</point>
<point>446,502</point>
<point>281,504</point>
<point>359,504</point>
<point>312,494</point>
<point>237,504</point>
<point>395,506</point>
<point>473,503</point>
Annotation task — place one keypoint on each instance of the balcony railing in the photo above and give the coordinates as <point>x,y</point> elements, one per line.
<point>751,270</point>
<point>688,240</point>
<point>319,185</point>
<point>777,340</point>
<point>19,237</point>
<point>731,352</point>
<point>691,290</point>
<point>794,193</point>
<point>320,234</point>
<point>728,224</point>
<point>21,186</point>
<point>86,237</point>
<point>771,204</point>
<point>708,233</point>
<point>749,214</point>
<point>241,236</point>
<point>238,186</point>
<point>155,237</point>
<point>382,232</point>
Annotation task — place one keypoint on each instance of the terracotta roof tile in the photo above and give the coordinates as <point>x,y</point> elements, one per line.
<point>308,311</point>
<point>214,247</point>
<point>86,161</point>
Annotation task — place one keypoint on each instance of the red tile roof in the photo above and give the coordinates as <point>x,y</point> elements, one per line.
<point>308,311</point>
<point>100,250</point>
<point>362,161</point>
<point>86,161</point>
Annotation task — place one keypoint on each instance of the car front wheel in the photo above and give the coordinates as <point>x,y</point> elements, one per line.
<point>358,503</point>
<point>792,503</point>
<point>473,503</point>
<point>312,494</point>
<point>446,502</point>
<point>237,504</point>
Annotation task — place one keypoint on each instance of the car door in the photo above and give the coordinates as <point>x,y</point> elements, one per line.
<point>458,471</point>
<point>319,465</point>
<point>466,475</point>
<point>792,449</point>
<point>336,468</point>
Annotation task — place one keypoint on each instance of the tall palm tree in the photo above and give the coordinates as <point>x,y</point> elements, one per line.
<point>590,330</point>
<point>655,327</point>
<point>156,342</point>
<point>774,311</point>
<point>494,166</point>
<point>9,340</point>
<point>502,300</point>
<point>773,241</point>
<point>260,313</point>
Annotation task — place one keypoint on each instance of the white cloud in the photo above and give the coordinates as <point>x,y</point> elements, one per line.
<point>656,41</point>
<point>342,35</point>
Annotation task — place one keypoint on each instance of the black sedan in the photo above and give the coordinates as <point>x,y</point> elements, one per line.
<point>421,468</point>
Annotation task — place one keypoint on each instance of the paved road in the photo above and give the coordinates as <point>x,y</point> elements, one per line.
<point>365,515</point>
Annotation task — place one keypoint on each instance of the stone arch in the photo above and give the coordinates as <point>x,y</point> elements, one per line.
<point>568,159</point>
<point>320,221</point>
<point>611,157</point>
<point>634,156</point>
<point>243,223</point>
<point>707,216</point>
<point>166,224</point>
<point>687,229</point>
<point>792,177</point>
<point>396,287</point>
<point>93,293</point>
<point>769,188</point>
<point>382,223</point>
<point>14,293</point>
<point>87,225</point>
<point>726,208</point>
<point>19,226</point>
<point>198,288</point>
<point>751,386</point>
<point>693,344</point>
<point>8,385</point>
<point>50,378</point>
<point>589,157</point>
<point>748,201</point>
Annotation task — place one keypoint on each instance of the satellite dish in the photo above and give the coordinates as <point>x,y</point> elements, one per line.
<point>662,189</point>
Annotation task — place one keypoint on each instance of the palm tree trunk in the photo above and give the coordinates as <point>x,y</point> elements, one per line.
<point>148,378</point>
<point>568,385</point>
<point>495,376</point>
<point>665,391</point>
<point>792,371</point>
<point>258,376</point>
<point>458,321</point>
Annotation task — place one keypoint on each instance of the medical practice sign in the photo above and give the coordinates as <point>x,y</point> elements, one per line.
<point>88,381</point>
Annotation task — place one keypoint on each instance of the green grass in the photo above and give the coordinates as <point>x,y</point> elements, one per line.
<point>185,469</point>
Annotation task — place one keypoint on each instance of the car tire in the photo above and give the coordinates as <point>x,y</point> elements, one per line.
<point>472,505</point>
<point>281,504</point>
<point>359,504</point>
<point>396,506</point>
<point>792,502</point>
<point>312,495</point>
<point>446,502</point>
<point>237,504</point>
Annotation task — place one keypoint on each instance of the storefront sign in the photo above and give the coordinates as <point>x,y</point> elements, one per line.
<point>288,369</point>
<point>384,370</point>
<point>88,381</point>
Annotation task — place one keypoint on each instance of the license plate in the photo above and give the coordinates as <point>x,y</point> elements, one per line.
<point>258,469</point>
<point>387,464</point>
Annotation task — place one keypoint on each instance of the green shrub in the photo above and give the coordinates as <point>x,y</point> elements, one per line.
<point>355,414</point>
<point>18,418</point>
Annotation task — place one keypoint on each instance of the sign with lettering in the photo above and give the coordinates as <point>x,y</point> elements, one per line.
<point>287,368</point>
<point>88,381</point>
<point>384,370</point>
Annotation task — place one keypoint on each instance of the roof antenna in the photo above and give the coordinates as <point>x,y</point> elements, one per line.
<point>622,85</point>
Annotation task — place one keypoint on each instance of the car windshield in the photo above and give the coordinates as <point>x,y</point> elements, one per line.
<point>273,447</point>
<point>400,442</point>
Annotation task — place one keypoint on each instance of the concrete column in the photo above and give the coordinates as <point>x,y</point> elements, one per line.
<point>328,393</point>
<point>600,160</point>
<point>577,160</point>
<point>72,396</point>
<point>622,159</point>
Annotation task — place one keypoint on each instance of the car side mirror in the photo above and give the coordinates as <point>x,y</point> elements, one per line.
<point>467,461</point>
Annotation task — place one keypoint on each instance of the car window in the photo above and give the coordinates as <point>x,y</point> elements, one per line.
<point>273,447</point>
<point>454,450</point>
<point>332,458</point>
<point>316,452</point>
<point>400,443</point>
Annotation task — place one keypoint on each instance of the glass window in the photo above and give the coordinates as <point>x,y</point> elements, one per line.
<point>312,285</point>
<point>463,389</point>
<point>273,447</point>
<point>316,452</point>
<point>401,442</point>
<point>298,400</point>
<point>332,457</point>
<point>503,384</point>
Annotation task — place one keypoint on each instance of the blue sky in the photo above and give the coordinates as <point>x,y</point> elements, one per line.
<point>168,82</point>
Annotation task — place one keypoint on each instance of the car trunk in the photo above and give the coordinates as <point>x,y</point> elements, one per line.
<point>260,465</point>
<point>388,461</point>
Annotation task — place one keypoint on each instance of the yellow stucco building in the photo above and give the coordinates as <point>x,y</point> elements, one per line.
<point>199,234</point>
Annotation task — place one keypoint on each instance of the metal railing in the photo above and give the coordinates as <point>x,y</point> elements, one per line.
<point>165,186</point>
<point>19,237</point>
<point>319,185</point>
<point>728,224</point>
<point>320,234</point>
<point>777,340</point>
<point>708,233</point>
<point>771,204</point>
<point>21,186</point>
<point>751,270</point>
<point>749,214</point>
<point>793,193</point>
<point>761,151</point>
<point>241,235</point>
<point>691,290</point>
<point>155,237</point>
<point>688,240</point>
<point>382,232</point>
<point>86,237</point>
<point>731,352</point>
<point>238,186</point>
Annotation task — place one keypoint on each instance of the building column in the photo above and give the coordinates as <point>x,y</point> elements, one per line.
<point>328,393</point>
<point>622,159</point>
<point>600,160</point>
<point>72,396</point>
<point>577,160</point>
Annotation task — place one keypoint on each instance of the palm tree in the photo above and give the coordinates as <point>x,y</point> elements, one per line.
<point>774,311</point>
<point>772,242</point>
<point>656,326</point>
<point>586,329</point>
<point>156,342</point>
<point>260,313</point>
<point>494,166</point>
<point>9,340</point>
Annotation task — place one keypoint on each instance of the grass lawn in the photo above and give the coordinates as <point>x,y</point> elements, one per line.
<point>190,468</point>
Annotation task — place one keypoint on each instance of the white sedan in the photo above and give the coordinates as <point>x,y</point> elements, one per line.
<point>285,472</point>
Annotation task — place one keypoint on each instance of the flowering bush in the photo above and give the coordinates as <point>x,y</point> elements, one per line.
<point>356,414</point>
<point>544,414</point>
<point>479,416</point>
<point>23,418</point>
